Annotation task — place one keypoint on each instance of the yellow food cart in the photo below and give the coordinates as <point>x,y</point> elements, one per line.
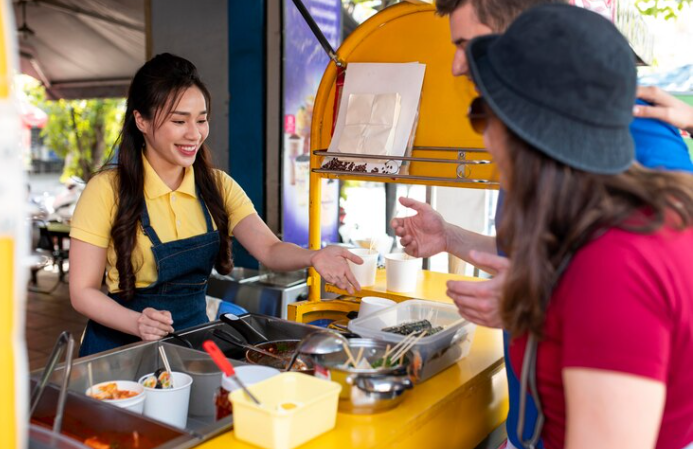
<point>460,406</point>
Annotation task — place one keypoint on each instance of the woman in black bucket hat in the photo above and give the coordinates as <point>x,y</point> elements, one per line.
<point>599,297</point>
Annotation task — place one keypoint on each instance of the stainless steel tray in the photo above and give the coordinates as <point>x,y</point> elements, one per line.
<point>85,417</point>
<point>134,361</point>
<point>271,327</point>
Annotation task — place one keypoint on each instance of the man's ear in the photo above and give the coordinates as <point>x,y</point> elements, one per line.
<point>141,122</point>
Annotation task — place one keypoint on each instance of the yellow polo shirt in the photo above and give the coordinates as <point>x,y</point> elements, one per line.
<point>174,215</point>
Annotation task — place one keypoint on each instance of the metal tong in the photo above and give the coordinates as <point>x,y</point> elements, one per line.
<point>65,339</point>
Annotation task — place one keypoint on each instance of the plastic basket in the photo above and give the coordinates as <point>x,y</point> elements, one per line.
<point>431,354</point>
<point>312,412</point>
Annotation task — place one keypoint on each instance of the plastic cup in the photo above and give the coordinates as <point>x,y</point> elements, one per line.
<point>372,304</point>
<point>134,404</point>
<point>364,273</point>
<point>402,272</point>
<point>169,405</point>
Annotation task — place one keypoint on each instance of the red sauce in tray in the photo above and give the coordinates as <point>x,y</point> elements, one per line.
<point>102,439</point>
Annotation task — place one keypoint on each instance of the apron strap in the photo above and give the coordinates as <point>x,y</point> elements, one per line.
<point>147,227</point>
<point>205,211</point>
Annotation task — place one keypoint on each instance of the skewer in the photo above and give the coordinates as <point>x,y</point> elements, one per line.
<point>358,357</point>
<point>411,337</point>
<point>454,323</point>
<point>406,348</point>
<point>397,346</point>
<point>348,353</point>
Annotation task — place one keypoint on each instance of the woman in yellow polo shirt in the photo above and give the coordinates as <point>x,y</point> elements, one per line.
<point>162,217</point>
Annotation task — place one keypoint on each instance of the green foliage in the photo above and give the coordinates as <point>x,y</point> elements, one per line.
<point>81,131</point>
<point>669,9</point>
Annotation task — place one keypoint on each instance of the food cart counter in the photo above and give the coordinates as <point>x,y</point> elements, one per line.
<point>457,408</point>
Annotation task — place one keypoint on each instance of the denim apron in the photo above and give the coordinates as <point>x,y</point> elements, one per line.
<point>183,268</point>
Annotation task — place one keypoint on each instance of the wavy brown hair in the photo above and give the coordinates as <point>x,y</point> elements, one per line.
<point>551,210</point>
<point>495,14</point>
<point>154,92</point>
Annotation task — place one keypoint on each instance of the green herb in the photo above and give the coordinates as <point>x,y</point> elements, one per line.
<point>383,363</point>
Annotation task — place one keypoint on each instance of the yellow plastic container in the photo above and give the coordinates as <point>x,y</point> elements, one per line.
<point>295,408</point>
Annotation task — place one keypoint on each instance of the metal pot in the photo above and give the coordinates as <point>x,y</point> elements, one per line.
<point>365,391</point>
<point>284,348</point>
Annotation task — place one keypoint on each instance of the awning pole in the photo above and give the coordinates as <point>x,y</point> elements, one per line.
<point>318,33</point>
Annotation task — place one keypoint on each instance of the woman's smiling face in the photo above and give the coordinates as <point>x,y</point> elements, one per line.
<point>175,141</point>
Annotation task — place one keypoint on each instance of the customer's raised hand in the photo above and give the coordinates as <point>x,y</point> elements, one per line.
<point>664,107</point>
<point>423,234</point>
<point>331,263</point>
<point>479,301</point>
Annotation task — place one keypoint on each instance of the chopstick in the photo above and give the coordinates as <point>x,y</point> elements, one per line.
<point>90,376</point>
<point>168,367</point>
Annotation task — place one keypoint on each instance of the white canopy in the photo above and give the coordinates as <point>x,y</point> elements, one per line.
<point>81,48</point>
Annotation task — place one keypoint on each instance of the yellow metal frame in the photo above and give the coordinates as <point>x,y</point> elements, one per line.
<point>405,32</point>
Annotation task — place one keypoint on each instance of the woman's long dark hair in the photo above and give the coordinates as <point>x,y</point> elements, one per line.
<point>154,92</point>
<point>551,209</point>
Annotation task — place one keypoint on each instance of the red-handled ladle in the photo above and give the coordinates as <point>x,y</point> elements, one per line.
<point>226,367</point>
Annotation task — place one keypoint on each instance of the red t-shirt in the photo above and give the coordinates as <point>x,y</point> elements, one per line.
<point>624,304</point>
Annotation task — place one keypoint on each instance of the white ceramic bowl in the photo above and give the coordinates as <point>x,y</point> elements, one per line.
<point>134,404</point>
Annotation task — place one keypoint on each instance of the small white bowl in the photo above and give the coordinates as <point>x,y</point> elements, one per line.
<point>134,404</point>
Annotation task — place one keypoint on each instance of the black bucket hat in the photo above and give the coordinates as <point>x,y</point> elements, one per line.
<point>563,79</point>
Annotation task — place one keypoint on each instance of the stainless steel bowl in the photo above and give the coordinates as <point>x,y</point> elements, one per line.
<point>365,391</point>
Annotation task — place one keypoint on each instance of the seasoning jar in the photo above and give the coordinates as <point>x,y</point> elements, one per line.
<point>249,374</point>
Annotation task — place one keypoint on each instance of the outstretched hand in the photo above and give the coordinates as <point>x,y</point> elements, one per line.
<point>479,302</point>
<point>331,263</point>
<point>423,234</point>
<point>664,107</point>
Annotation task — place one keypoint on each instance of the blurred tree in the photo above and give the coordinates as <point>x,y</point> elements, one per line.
<point>669,9</point>
<point>81,131</point>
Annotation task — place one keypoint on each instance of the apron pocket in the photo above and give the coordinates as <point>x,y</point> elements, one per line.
<point>183,288</point>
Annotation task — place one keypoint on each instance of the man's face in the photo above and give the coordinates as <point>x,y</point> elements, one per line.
<point>464,26</point>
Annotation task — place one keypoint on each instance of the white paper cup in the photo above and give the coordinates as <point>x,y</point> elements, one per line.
<point>169,405</point>
<point>371,304</point>
<point>364,273</point>
<point>382,244</point>
<point>134,404</point>
<point>402,272</point>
